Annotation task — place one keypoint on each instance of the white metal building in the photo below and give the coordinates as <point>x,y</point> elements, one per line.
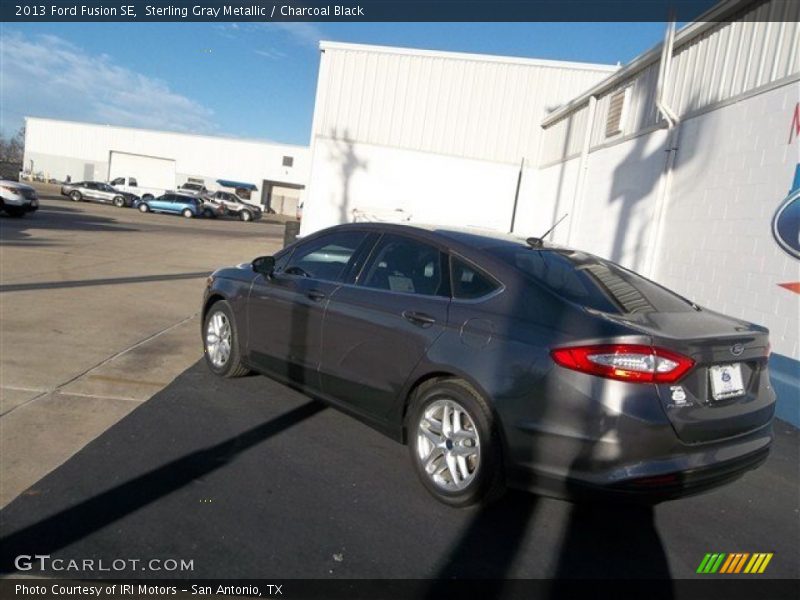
<point>690,199</point>
<point>440,135</point>
<point>163,159</point>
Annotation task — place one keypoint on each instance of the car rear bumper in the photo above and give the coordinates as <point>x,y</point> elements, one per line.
<point>21,203</point>
<point>683,471</point>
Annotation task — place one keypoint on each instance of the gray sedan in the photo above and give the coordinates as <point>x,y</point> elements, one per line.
<point>501,361</point>
<point>98,191</point>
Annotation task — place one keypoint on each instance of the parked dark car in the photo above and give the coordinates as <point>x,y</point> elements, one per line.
<point>98,191</point>
<point>502,361</point>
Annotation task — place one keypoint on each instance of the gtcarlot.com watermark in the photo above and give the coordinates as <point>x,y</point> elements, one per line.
<point>43,562</point>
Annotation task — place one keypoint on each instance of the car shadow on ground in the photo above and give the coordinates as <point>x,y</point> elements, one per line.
<point>17,230</point>
<point>253,480</point>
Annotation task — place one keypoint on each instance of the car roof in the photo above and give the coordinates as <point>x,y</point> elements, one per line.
<point>472,237</point>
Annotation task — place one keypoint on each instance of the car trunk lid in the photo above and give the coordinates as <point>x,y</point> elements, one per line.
<point>727,392</point>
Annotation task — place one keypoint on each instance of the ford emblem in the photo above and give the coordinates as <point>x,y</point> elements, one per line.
<point>737,349</point>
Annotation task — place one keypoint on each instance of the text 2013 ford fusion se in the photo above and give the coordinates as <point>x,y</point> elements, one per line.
<point>501,361</point>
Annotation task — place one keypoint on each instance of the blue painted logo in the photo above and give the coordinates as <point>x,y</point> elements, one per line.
<point>726,377</point>
<point>786,222</point>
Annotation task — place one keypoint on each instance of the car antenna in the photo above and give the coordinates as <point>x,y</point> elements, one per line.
<point>538,242</point>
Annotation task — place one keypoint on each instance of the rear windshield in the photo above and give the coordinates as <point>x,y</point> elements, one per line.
<point>592,281</point>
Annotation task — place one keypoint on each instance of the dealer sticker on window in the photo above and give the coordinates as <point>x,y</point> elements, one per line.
<point>726,381</point>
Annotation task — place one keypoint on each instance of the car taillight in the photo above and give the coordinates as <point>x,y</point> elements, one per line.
<point>625,362</point>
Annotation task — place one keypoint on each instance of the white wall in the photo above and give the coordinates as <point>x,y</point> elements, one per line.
<point>440,134</point>
<point>61,148</point>
<point>431,188</point>
<point>613,216</point>
<point>733,168</point>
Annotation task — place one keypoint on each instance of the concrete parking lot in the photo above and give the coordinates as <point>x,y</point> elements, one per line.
<point>117,442</point>
<point>98,312</point>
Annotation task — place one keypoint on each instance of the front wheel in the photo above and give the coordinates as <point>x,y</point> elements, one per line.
<point>187,213</point>
<point>454,444</point>
<point>119,201</point>
<point>144,208</point>
<point>221,343</point>
<point>75,196</point>
<point>14,212</point>
<point>246,216</point>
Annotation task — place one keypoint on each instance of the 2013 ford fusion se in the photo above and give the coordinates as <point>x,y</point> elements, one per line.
<point>502,361</point>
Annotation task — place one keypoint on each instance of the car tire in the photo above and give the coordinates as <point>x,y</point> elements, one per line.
<point>246,216</point>
<point>143,207</point>
<point>75,196</point>
<point>219,324</point>
<point>208,214</point>
<point>14,213</point>
<point>479,478</point>
<point>187,213</point>
<point>119,201</point>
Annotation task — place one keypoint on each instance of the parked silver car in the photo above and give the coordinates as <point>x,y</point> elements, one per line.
<point>17,199</point>
<point>98,191</point>
<point>232,205</point>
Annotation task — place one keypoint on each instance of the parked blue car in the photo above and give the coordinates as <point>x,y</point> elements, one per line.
<point>179,204</point>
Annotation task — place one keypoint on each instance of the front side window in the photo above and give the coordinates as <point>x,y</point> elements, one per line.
<point>131,182</point>
<point>401,264</point>
<point>325,258</point>
<point>118,181</point>
<point>470,283</point>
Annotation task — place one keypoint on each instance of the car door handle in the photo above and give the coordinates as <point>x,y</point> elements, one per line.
<point>418,318</point>
<point>316,295</point>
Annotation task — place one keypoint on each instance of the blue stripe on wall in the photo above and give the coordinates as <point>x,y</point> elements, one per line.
<point>785,377</point>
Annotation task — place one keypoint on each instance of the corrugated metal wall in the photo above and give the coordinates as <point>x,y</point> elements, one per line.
<point>726,61</point>
<point>466,107</point>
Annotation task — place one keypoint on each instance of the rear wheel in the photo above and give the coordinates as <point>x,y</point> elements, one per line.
<point>208,213</point>
<point>75,196</point>
<point>143,207</point>
<point>119,201</point>
<point>187,213</point>
<point>221,342</point>
<point>454,444</point>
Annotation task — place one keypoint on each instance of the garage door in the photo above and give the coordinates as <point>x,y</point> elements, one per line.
<point>150,171</point>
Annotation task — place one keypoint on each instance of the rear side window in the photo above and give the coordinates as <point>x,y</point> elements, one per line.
<point>326,257</point>
<point>401,264</point>
<point>591,281</point>
<point>468,282</point>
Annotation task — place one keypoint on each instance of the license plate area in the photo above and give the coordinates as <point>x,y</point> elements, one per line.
<point>726,381</point>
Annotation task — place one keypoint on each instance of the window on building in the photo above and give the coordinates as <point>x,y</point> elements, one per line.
<point>616,112</point>
<point>288,161</point>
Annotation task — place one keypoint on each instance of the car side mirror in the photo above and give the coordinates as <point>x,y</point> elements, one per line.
<point>264,265</point>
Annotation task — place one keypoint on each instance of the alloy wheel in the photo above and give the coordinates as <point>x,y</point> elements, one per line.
<point>218,339</point>
<point>448,445</point>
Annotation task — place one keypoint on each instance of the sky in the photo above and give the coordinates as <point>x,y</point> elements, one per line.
<point>249,80</point>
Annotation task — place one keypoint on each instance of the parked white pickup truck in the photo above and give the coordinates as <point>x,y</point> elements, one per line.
<point>131,185</point>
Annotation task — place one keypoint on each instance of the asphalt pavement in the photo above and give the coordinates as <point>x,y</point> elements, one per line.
<point>248,479</point>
